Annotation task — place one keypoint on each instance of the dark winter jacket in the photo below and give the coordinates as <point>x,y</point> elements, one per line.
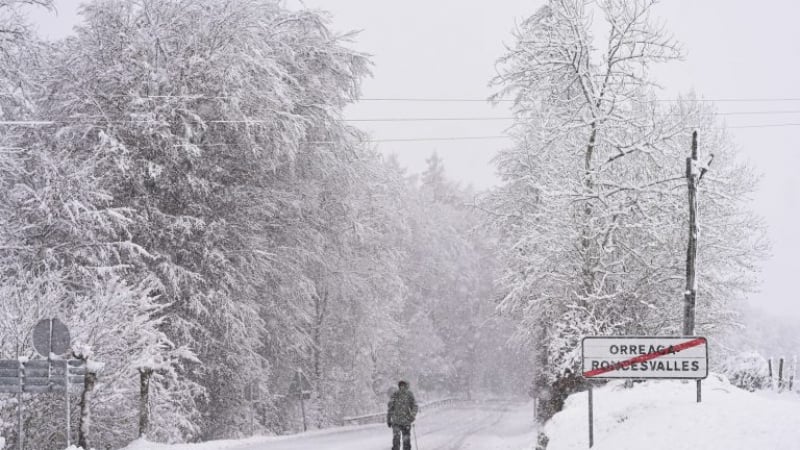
<point>402,408</point>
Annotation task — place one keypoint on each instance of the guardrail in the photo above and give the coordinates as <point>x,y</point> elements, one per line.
<point>380,417</point>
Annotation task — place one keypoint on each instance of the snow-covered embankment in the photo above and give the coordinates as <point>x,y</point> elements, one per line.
<point>664,415</point>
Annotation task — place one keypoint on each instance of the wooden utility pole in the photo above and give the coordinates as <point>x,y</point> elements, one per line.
<point>690,294</point>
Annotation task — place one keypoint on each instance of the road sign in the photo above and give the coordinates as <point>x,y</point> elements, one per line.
<point>41,375</point>
<point>50,336</point>
<point>10,380</point>
<point>642,357</point>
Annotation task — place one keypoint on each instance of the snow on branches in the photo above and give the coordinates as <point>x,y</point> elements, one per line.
<point>593,202</point>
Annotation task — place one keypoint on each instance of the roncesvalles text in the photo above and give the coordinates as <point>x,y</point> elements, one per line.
<point>652,365</point>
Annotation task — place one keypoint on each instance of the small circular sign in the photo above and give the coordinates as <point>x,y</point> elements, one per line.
<point>51,336</point>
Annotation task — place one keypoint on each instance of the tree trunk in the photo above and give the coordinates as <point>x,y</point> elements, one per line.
<point>144,401</point>
<point>84,421</point>
<point>586,234</point>
<point>543,389</point>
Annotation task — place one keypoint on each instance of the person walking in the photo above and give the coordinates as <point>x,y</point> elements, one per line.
<point>401,415</point>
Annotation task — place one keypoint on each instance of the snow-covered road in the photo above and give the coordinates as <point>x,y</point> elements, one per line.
<point>505,426</point>
<point>479,426</point>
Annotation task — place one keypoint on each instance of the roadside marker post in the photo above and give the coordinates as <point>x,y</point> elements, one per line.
<point>642,358</point>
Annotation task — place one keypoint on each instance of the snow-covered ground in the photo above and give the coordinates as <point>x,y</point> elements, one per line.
<point>474,426</point>
<point>656,415</point>
<point>664,415</point>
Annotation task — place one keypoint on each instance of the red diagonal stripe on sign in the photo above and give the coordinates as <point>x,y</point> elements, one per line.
<point>646,357</point>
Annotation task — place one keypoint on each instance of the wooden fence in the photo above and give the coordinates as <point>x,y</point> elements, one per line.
<point>785,375</point>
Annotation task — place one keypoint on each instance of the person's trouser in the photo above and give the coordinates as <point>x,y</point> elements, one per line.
<point>401,432</point>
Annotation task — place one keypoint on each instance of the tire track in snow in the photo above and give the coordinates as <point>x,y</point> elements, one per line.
<point>482,425</point>
<point>463,427</point>
<point>473,422</point>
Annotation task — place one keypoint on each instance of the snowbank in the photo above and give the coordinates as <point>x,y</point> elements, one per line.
<point>255,441</point>
<point>664,415</point>
<point>141,444</point>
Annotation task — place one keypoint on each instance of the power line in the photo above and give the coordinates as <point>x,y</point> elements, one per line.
<point>366,141</point>
<point>453,138</point>
<point>748,113</point>
<point>377,119</point>
<point>764,125</point>
<point>455,119</point>
<point>228,97</point>
<point>450,138</point>
<point>422,99</point>
<point>425,99</point>
<point>436,139</point>
<point>429,119</point>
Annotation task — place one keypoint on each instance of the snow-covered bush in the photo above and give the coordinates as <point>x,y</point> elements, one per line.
<point>747,370</point>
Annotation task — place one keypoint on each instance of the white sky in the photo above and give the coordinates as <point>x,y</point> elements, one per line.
<point>447,49</point>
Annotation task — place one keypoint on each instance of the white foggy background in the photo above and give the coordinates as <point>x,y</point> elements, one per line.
<point>447,48</point>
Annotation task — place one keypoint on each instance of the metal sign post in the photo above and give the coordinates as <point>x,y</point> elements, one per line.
<point>20,405</point>
<point>591,418</point>
<point>699,390</point>
<point>51,338</point>
<point>66,403</point>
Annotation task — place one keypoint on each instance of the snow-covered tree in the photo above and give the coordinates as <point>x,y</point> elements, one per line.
<point>218,119</point>
<point>449,273</point>
<point>180,188</point>
<point>65,250</point>
<point>593,202</point>
<point>66,253</point>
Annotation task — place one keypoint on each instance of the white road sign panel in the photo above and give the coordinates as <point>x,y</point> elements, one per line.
<point>642,357</point>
